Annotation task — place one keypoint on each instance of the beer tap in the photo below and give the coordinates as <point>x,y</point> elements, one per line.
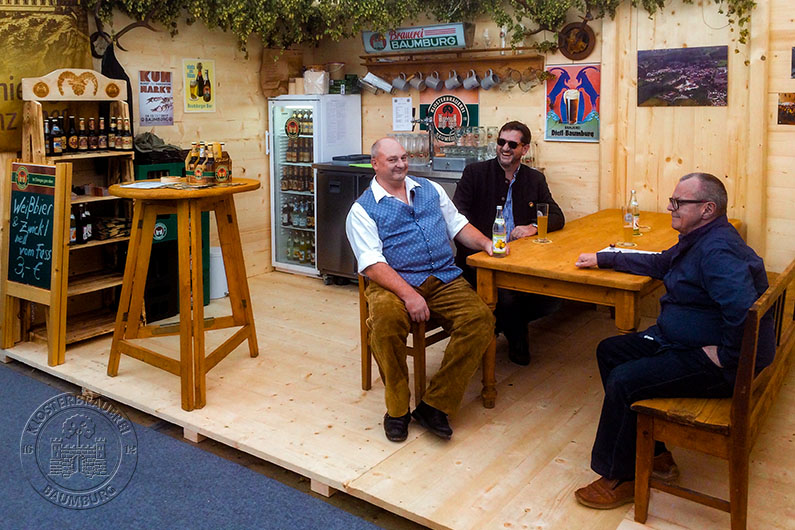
<point>428,121</point>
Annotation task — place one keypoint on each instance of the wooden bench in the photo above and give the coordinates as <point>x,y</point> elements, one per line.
<point>728,427</point>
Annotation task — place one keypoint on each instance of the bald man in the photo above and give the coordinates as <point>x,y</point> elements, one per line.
<point>400,231</point>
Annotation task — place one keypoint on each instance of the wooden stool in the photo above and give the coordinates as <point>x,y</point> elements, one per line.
<point>192,366</point>
<point>419,341</point>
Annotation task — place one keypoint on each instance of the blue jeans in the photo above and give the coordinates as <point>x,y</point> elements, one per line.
<point>633,368</point>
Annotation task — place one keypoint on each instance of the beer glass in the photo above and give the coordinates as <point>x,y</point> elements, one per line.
<point>625,239</point>
<point>194,89</point>
<point>542,220</point>
<point>571,99</point>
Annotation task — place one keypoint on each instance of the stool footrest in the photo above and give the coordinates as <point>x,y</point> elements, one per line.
<point>150,357</point>
<point>224,349</point>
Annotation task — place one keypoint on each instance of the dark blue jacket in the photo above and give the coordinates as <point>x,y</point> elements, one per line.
<point>711,277</point>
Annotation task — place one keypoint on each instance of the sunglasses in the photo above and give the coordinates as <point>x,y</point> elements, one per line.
<point>676,203</point>
<point>513,145</point>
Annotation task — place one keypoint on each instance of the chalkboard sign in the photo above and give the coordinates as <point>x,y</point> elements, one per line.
<point>32,216</point>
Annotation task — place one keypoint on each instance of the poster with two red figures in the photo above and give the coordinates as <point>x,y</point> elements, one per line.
<point>573,103</point>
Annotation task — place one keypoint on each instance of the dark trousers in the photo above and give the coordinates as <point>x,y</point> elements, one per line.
<point>516,309</point>
<point>635,368</point>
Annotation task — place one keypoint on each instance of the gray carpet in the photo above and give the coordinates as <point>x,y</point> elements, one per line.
<point>174,485</point>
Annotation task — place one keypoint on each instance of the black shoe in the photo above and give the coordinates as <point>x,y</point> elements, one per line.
<point>433,419</point>
<point>396,429</point>
<point>519,352</point>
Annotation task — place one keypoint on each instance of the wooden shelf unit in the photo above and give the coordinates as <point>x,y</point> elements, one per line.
<point>101,168</point>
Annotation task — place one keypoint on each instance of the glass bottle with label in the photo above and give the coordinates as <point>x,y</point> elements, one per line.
<point>499,235</point>
<point>112,134</point>
<point>102,139</point>
<point>72,141</point>
<point>93,139</point>
<point>82,136</point>
<point>57,138</point>
<point>634,207</point>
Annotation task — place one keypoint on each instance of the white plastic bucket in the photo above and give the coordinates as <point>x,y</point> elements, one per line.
<point>218,288</point>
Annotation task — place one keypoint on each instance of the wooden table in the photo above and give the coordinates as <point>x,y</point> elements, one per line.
<point>549,269</point>
<point>192,365</point>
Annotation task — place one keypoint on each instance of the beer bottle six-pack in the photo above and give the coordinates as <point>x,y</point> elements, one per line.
<point>208,163</point>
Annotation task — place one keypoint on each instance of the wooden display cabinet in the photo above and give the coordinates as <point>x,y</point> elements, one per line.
<point>94,269</point>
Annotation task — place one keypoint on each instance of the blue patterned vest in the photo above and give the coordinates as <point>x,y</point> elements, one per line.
<point>414,238</point>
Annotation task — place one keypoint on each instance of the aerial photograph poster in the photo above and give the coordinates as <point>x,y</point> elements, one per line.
<point>683,77</point>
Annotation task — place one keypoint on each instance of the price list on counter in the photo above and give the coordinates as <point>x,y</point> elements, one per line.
<point>31,220</point>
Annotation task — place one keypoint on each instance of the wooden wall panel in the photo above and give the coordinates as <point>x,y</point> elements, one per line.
<point>240,119</point>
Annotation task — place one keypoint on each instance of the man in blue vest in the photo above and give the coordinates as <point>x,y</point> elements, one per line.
<point>400,231</point>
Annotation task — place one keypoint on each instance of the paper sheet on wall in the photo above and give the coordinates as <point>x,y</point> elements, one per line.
<point>401,114</point>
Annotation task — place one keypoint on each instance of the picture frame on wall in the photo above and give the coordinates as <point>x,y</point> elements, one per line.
<point>199,87</point>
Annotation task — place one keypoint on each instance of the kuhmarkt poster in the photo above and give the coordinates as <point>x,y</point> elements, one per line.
<point>63,26</point>
<point>573,103</point>
<point>198,81</point>
<point>155,98</point>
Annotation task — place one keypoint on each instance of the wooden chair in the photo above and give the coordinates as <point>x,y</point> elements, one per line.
<point>423,334</point>
<point>726,428</point>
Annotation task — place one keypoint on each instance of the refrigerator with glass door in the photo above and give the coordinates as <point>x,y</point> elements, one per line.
<point>304,129</point>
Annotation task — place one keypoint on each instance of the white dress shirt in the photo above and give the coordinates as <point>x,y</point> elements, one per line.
<point>362,231</point>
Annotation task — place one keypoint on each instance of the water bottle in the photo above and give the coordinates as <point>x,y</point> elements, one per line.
<point>635,209</point>
<point>499,235</point>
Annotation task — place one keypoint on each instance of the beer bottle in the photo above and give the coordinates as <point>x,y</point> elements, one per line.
<point>128,139</point>
<point>112,134</point>
<point>208,175</point>
<point>499,235</point>
<point>47,139</point>
<point>72,228</point>
<point>199,81</point>
<point>207,92</point>
<point>195,176</point>
<point>309,150</point>
<point>73,142</point>
<point>79,224</point>
<point>223,166</point>
<point>310,125</point>
<point>86,224</point>
<point>311,177</point>
<point>634,207</point>
<point>193,156</point>
<point>64,140</point>
<point>57,138</point>
<point>82,137</point>
<point>93,139</point>
<point>102,140</point>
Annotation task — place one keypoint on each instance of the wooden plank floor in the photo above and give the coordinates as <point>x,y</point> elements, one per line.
<point>299,405</point>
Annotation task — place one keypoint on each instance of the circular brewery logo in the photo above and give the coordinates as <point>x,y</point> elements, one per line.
<point>161,231</point>
<point>378,41</point>
<point>448,112</point>
<point>221,174</point>
<point>78,451</point>
<point>22,177</point>
<point>292,128</point>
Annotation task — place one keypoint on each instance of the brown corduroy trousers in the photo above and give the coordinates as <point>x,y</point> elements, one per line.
<point>461,313</point>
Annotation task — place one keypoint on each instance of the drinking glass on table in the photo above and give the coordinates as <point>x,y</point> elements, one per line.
<point>542,220</point>
<point>627,228</point>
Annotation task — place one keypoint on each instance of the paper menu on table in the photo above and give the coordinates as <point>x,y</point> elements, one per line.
<point>627,250</point>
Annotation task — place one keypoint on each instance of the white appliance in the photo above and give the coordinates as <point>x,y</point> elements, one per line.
<point>303,130</point>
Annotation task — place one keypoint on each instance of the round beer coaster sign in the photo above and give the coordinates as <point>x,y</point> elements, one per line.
<point>292,128</point>
<point>78,452</point>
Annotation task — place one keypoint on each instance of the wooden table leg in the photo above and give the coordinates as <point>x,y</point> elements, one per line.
<point>237,283</point>
<point>198,304</point>
<point>487,289</point>
<point>627,314</point>
<point>185,315</point>
<point>140,272</point>
<point>126,288</point>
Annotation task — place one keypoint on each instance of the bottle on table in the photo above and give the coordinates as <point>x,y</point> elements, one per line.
<point>208,175</point>
<point>634,207</point>
<point>193,156</point>
<point>499,235</point>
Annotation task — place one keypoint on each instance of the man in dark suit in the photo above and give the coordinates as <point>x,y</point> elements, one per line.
<point>505,181</point>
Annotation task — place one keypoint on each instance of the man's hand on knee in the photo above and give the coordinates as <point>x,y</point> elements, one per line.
<point>417,307</point>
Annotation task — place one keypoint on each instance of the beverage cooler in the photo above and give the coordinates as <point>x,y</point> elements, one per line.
<point>304,129</point>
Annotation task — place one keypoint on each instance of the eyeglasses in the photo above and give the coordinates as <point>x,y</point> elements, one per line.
<point>676,203</point>
<point>513,145</point>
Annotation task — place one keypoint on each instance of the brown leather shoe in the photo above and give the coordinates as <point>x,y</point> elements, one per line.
<point>664,467</point>
<point>604,494</point>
